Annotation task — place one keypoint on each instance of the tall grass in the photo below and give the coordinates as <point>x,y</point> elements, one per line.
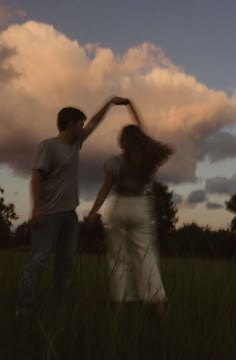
<point>201,323</point>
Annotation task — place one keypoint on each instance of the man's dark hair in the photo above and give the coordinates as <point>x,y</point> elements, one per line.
<point>69,115</point>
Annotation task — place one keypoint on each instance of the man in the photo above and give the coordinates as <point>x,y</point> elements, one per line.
<point>54,188</point>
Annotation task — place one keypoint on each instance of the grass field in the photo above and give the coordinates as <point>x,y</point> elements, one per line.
<point>201,323</point>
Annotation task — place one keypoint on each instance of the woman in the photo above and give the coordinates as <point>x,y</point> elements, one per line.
<point>132,256</point>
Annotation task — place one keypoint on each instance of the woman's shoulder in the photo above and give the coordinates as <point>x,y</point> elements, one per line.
<point>112,164</point>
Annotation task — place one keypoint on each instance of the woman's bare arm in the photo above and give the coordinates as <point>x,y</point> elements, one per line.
<point>102,194</point>
<point>134,113</point>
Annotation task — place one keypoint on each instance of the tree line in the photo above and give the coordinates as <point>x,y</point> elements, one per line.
<point>190,240</point>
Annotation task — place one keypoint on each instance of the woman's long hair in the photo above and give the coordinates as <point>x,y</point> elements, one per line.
<point>142,151</point>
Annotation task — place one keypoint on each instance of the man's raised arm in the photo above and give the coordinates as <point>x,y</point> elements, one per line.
<point>98,117</point>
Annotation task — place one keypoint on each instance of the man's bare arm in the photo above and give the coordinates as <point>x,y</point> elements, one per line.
<point>98,117</point>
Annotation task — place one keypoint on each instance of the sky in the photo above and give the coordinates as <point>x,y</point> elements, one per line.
<point>175,59</point>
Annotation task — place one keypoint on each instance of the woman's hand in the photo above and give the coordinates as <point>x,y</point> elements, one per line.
<point>101,196</point>
<point>91,219</point>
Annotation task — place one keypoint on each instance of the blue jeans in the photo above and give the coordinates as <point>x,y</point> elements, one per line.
<point>58,233</point>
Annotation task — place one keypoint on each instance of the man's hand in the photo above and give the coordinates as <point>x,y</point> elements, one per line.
<point>116,100</point>
<point>37,215</point>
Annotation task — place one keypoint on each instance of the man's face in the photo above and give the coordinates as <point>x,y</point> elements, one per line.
<point>76,129</point>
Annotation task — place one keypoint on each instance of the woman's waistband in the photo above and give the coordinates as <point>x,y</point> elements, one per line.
<point>133,194</point>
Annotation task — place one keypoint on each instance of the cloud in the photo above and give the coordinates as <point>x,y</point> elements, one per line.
<point>219,146</point>
<point>221,185</point>
<point>47,71</point>
<point>213,206</point>
<point>196,197</point>
<point>7,72</point>
<point>9,13</point>
<point>177,198</point>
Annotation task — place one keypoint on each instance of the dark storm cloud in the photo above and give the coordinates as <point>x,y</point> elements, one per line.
<point>221,185</point>
<point>196,197</point>
<point>213,206</point>
<point>219,146</point>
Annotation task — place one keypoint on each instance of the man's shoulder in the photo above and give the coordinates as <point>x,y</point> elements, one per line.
<point>48,142</point>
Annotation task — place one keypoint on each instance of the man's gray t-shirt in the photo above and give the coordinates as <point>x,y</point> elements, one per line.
<point>59,163</point>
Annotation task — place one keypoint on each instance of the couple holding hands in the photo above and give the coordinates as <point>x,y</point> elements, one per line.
<point>132,257</point>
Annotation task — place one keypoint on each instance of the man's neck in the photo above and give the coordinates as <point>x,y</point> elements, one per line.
<point>65,138</point>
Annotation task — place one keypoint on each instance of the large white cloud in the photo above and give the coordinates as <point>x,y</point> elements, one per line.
<point>47,71</point>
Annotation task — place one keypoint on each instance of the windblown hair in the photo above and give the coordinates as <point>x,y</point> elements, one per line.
<point>148,153</point>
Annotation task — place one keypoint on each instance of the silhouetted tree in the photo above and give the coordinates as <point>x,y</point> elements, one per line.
<point>231,206</point>
<point>22,235</point>
<point>166,214</point>
<point>192,240</point>
<point>233,225</point>
<point>7,216</point>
